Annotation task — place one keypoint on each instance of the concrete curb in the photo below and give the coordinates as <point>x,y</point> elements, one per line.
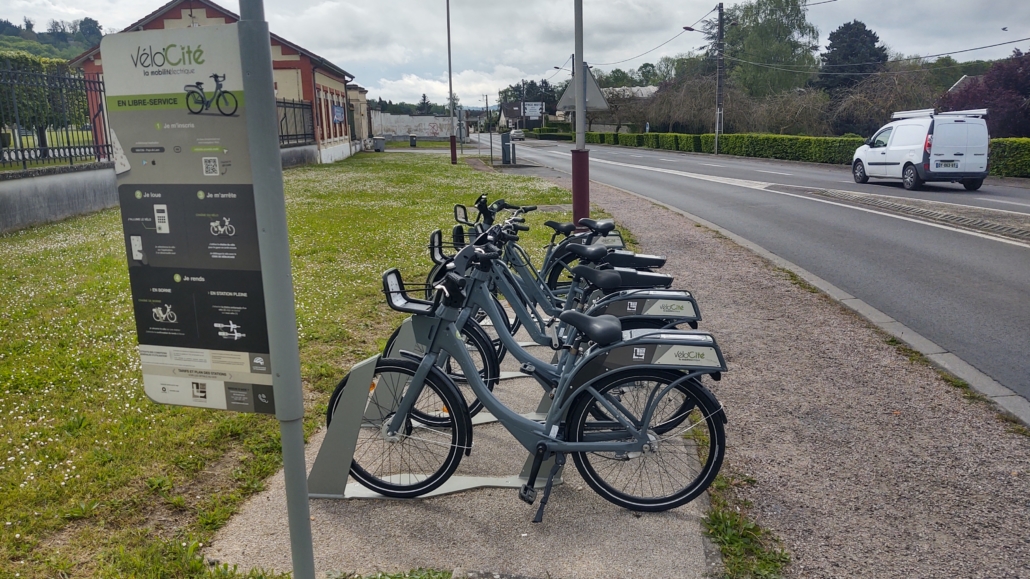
<point>1009,402</point>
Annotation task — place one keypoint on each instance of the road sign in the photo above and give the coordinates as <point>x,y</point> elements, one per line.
<point>595,99</point>
<point>533,110</point>
<point>175,100</point>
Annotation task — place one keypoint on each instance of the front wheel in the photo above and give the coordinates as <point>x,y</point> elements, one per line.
<point>227,104</point>
<point>195,102</point>
<point>419,457</point>
<point>685,448</point>
<point>910,178</point>
<point>972,184</point>
<point>858,172</point>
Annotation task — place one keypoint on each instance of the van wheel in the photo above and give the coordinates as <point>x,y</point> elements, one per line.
<point>858,172</point>
<point>972,184</point>
<point>910,178</point>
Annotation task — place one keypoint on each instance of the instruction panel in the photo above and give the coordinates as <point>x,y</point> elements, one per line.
<point>176,110</point>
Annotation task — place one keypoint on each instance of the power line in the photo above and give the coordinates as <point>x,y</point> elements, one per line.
<point>559,68</point>
<point>657,47</point>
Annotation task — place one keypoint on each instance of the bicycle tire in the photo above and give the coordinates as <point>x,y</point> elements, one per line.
<point>231,104</point>
<point>643,481</point>
<point>482,352</point>
<point>406,466</point>
<point>557,276</point>
<point>194,102</point>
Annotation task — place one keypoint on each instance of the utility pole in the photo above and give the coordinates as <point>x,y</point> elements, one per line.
<point>718,80</point>
<point>580,155</point>
<point>489,128</point>
<point>523,111</point>
<point>450,87</point>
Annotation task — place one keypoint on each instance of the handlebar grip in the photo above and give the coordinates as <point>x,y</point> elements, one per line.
<point>518,219</point>
<point>528,208</point>
<point>520,227</point>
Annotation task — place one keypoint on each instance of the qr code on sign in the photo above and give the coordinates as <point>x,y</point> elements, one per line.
<point>211,166</point>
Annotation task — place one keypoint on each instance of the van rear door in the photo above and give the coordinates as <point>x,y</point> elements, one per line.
<point>976,145</point>
<point>948,152</point>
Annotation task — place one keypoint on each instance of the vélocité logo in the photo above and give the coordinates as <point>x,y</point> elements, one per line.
<point>689,355</point>
<point>156,61</point>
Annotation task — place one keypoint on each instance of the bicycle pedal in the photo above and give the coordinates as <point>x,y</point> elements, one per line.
<point>528,369</point>
<point>527,494</point>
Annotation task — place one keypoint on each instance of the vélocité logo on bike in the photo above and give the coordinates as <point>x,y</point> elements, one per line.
<point>154,62</point>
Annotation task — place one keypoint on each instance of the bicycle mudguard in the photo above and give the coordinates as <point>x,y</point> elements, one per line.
<point>662,304</point>
<point>688,351</point>
<point>633,279</point>
<point>623,258</point>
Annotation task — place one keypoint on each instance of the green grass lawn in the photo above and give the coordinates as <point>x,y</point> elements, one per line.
<point>96,480</point>
<point>420,144</point>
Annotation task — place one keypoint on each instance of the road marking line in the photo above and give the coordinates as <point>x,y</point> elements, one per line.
<point>711,165</point>
<point>637,156</point>
<point>669,160</point>
<point>775,172</point>
<point>761,186</point>
<point>1000,201</point>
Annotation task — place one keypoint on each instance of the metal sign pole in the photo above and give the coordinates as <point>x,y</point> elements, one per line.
<point>270,209</point>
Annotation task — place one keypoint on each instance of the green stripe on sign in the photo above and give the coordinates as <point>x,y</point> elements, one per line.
<point>158,102</point>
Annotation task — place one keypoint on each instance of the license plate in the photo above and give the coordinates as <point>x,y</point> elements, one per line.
<point>947,164</point>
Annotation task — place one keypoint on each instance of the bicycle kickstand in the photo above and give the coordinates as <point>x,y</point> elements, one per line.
<point>559,461</point>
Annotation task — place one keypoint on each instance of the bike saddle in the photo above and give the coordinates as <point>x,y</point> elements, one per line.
<point>632,279</point>
<point>199,84</point>
<point>623,258</point>
<point>565,229</point>
<point>606,279</point>
<point>603,330</point>
<point>602,227</point>
<point>591,253</point>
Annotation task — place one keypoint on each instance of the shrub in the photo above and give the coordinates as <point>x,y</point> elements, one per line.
<point>688,143</point>
<point>631,139</point>
<point>593,137</point>
<point>556,136</point>
<point>611,138</point>
<point>667,141</point>
<point>560,127</point>
<point>1010,157</point>
<point>649,140</point>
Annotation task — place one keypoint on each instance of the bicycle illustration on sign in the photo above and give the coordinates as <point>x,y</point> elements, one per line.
<point>165,314</point>
<point>218,228</point>
<point>232,333</point>
<point>197,101</point>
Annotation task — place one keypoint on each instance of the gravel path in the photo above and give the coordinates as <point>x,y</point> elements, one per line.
<point>866,464</point>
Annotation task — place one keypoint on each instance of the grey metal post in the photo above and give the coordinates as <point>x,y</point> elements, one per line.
<point>718,81</point>
<point>450,85</point>
<point>490,129</point>
<point>581,86</point>
<point>270,210</point>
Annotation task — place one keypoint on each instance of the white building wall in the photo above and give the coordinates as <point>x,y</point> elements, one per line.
<point>390,125</point>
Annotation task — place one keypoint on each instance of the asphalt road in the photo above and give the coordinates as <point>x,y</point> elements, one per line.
<point>968,293</point>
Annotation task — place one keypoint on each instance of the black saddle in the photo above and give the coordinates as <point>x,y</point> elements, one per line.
<point>565,229</point>
<point>605,279</point>
<point>199,84</point>
<point>600,227</point>
<point>591,253</point>
<point>622,258</point>
<point>603,330</point>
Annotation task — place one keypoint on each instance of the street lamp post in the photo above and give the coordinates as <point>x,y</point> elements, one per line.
<point>450,89</point>
<point>580,155</point>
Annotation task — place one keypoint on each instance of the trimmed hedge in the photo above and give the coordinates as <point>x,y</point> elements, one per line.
<point>1010,157</point>
<point>556,136</point>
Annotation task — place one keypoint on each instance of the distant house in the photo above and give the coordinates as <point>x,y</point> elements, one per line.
<point>299,75</point>
<point>964,81</point>
<point>511,117</point>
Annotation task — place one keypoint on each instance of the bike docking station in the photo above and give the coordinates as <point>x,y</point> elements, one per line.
<point>200,188</point>
<point>329,473</point>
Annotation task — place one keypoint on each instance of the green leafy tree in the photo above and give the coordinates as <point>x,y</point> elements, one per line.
<point>91,31</point>
<point>648,74</point>
<point>424,107</point>
<point>855,50</point>
<point>769,45</point>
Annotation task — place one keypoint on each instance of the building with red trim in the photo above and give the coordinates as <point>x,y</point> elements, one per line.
<point>299,75</point>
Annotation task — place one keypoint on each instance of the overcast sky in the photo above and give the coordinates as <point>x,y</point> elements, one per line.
<point>398,49</point>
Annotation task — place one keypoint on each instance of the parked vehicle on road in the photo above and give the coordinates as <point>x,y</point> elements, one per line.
<point>518,135</point>
<point>924,145</point>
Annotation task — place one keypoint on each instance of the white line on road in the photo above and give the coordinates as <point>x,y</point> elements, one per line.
<point>669,160</point>
<point>762,187</point>
<point>774,172</point>
<point>712,165</point>
<point>1000,201</point>
<point>637,156</point>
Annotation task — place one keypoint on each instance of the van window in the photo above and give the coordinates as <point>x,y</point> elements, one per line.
<point>908,136</point>
<point>881,139</point>
<point>949,135</point>
<point>977,135</point>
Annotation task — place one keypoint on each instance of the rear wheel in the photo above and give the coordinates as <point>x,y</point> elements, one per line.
<point>858,172</point>
<point>419,457</point>
<point>910,178</point>
<point>194,102</point>
<point>685,448</point>
<point>972,184</point>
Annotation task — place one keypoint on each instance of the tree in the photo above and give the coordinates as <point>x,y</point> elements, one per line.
<point>91,30</point>
<point>853,49</point>
<point>58,30</point>
<point>616,78</point>
<point>424,107</point>
<point>29,24</point>
<point>1004,91</point>
<point>769,45</point>
<point>648,74</point>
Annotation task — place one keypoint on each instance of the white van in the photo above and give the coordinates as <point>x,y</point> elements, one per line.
<point>924,145</point>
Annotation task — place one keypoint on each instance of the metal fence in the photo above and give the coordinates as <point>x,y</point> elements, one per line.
<point>51,119</point>
<point>296,123</point>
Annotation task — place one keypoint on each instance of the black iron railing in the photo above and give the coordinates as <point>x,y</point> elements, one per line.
<point>296,123</point>
<point>51,118</point>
